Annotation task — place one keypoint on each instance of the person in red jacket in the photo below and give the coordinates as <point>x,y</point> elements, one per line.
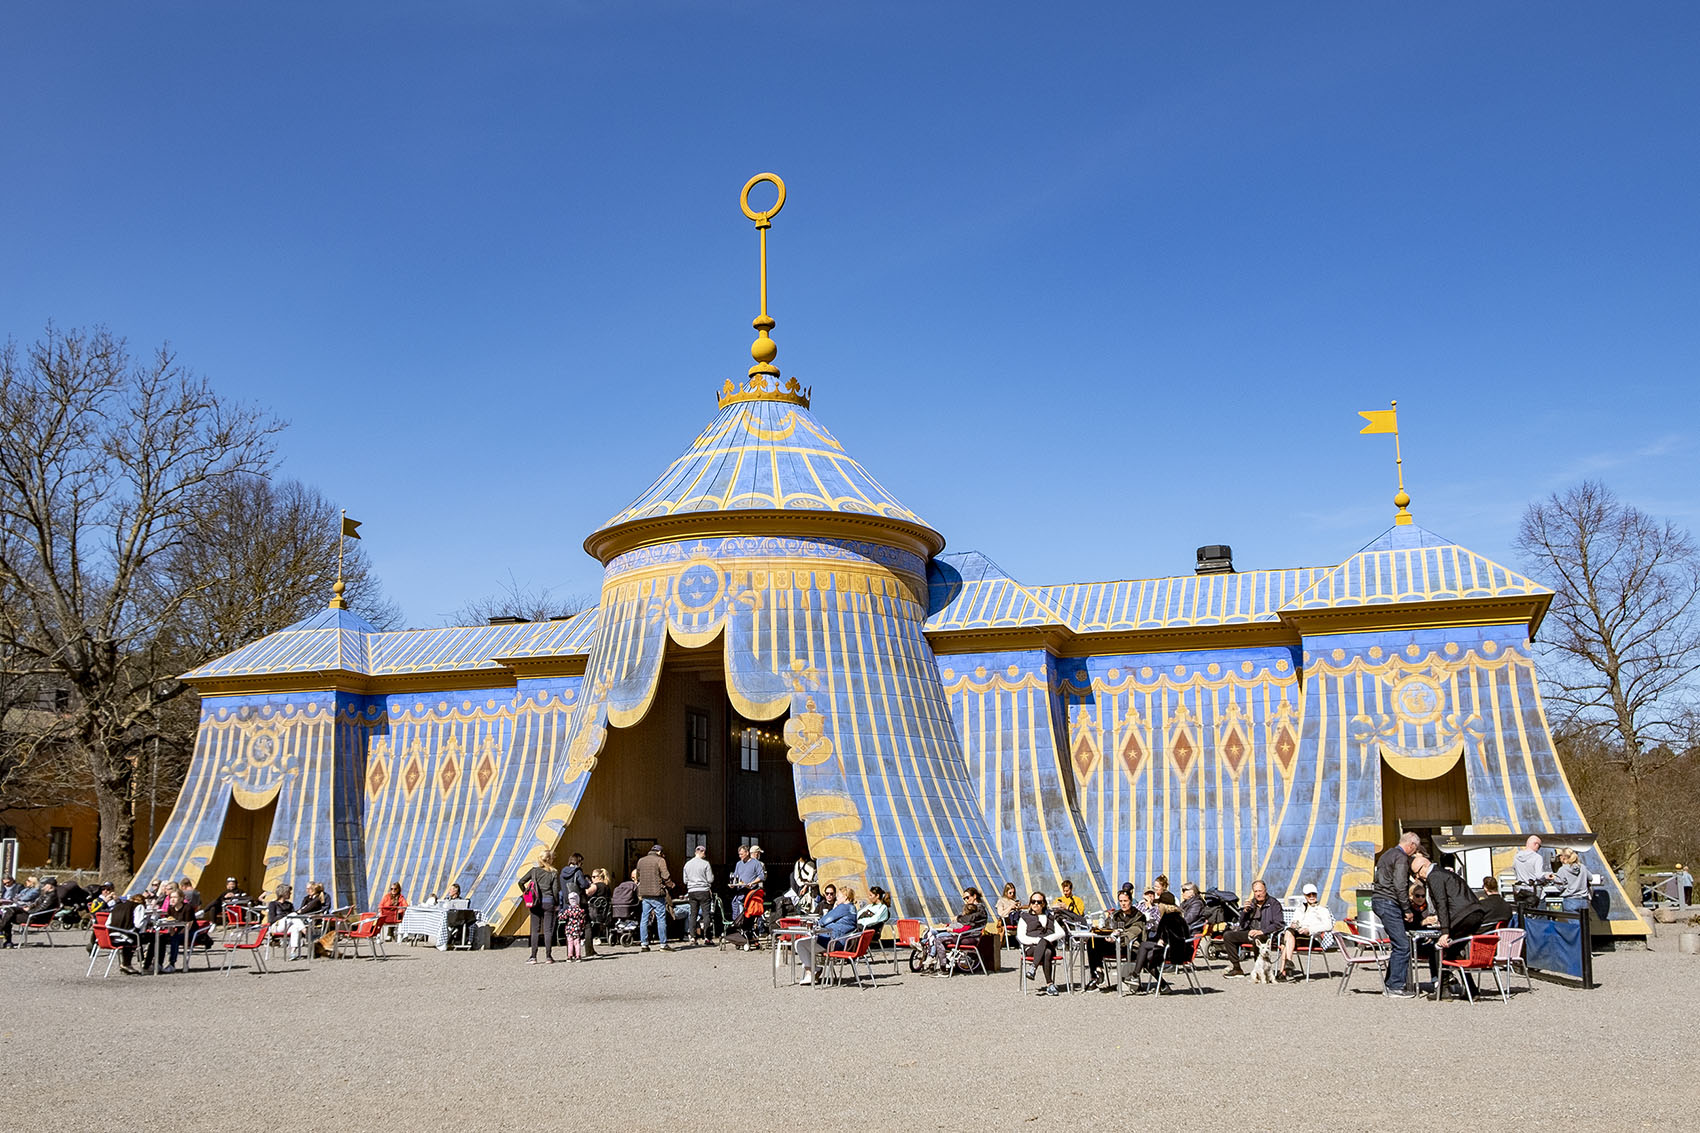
<point>392,907</point>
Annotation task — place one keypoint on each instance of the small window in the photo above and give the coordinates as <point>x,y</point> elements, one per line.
<point>693,839</point>
<point>59,846</point>
<point>749,749</point>
<point>696,737</point>
<point>749,840</point>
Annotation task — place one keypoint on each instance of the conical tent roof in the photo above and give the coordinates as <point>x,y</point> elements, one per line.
<point>765,456</point>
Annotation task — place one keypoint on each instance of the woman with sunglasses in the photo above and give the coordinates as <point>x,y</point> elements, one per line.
<point>1038,931</point>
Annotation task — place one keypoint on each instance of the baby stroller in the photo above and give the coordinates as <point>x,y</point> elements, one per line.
<point>1221,909</point>
<point>750,925</point>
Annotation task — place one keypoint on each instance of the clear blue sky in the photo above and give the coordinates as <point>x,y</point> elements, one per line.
<point>1085,287</point>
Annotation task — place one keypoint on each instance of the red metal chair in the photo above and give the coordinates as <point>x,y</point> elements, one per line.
<point>41,924</point>
<point>368,927</point>
<point>255,948</point>
<point>1480,956</point>
<point>836,958</point>
<point>962,952</point>
<point>108,940</point>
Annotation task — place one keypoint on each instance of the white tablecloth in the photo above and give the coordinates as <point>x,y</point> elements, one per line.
<point>429,921</point>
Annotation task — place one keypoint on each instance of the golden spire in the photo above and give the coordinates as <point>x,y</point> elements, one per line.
<point>1387,421</point>
<point>350,529</point>
<point>763,349</point>
<point>764,384</point>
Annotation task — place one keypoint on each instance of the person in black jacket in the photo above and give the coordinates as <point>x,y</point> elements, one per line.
<point>1391,904</point>
<point>1260,920</point>
<point>1497,909</point>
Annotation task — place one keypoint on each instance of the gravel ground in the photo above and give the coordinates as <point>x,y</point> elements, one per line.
<point>484,1041</point>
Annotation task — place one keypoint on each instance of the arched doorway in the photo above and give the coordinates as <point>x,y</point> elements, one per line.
<point>1423,805</point>
<point>241,850</point>
<point>691,771</point>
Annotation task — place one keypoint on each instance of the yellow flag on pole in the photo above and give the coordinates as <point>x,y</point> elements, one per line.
<point>351,527</point>
<point>1380,420</point>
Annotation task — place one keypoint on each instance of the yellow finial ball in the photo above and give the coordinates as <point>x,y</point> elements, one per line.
<point>764,349</point>
<point>1402,500</point>
<point>338,587</point>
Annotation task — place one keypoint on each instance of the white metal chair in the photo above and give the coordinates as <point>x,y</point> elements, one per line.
<point>1508,957</point>
<point>1320,945</point>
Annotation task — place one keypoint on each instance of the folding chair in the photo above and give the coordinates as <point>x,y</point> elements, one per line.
<point>1480,956</point>
<point>836,958</point>
<point>1509,956</point>
<point>1361,952</point>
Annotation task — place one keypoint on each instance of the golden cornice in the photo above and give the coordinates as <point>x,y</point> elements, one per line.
<point>604,545</point>
<point>536,668</point>
<point>340,680</point>
<point>1064,642</point>
<point>1461,613</point>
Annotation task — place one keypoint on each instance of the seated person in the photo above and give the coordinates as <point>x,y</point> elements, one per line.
<point>121,929</point>
<point>392,906</point>
<point>1314,926</point>
<point>1168,940</point>
<point>973,918</point>
<point>1261,919</point>
<point>1124,924</point>
<point>1193,909</point>
<point>835,928</point>
<point>231,898</point>
<point>8,887</point>
<point>877,912</point>
<point>36,910</point>
<point>281,920</point>
<point>1068,902</point>
<point>1037,930</point>
<point>1147,904</point>
<point>1009,905</point>
<point>104,899</point>
<point>1496,909</point>
<point>1452,908</point>
<point>176,916</point>
<point>626,899</point>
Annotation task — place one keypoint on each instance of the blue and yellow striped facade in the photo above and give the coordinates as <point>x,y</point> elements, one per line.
<point>946,725</point>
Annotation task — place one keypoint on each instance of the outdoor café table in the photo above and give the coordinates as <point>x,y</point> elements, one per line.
<point>789,937</point>
<point>154,937</point>
<point>429,921</point>
<point>1078,954</point>
<point>1421,936</point>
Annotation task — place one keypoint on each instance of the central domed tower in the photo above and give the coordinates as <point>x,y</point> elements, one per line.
<point>768,536</point>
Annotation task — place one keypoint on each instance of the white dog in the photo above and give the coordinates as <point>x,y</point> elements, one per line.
<point>1268,956</point>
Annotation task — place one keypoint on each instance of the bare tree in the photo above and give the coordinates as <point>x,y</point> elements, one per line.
<point>1623,637</point>
<point>107,468</point>
<point>519,600</point>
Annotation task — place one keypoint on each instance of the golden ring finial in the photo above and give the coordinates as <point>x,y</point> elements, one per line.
<point>761,218</point>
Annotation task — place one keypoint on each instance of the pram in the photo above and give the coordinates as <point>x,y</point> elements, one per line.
<point>750,925</point>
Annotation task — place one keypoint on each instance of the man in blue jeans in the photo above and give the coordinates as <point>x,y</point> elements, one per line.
<point>653,881</point>
<point>1391,904</point>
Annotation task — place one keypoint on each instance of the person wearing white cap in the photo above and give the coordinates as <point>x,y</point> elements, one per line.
<point>1314,923</point>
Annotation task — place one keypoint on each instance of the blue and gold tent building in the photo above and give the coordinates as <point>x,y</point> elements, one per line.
<point>784,653</point>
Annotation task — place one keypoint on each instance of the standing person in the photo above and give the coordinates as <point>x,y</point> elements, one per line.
<point>1391,904</point>
<point>1685,882</point>
<point>542,888</point>
<point>576,926</point>
<point>653,882</point>
<point>1571,878</point>
<point>699,888</point>
<point>1260,920</point>
<point>1528,867</point>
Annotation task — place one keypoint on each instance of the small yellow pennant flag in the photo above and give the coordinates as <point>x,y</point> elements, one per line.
<point>1380,420</point>
<point>351,527</point>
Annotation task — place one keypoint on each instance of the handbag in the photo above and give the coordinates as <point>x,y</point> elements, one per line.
<point>530,896</point>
